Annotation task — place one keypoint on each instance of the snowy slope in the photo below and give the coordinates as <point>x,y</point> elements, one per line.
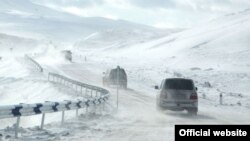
<point>28,19</point>
<point>37,21</point>
<point>221,44</point>
<point>14,44</point>
<point>112,39</point>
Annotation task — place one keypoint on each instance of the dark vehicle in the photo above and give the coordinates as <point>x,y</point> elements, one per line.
<point>177,94</point>
<point>116,77</point>
<point>67,55</point>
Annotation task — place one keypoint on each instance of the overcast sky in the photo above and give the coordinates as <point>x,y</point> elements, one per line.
<point>158,13</point>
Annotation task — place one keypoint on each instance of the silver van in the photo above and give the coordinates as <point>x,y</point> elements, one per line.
<point>177,94</point>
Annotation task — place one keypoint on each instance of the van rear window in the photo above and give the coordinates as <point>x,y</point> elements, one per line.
<point>179,84</point>
<point>122,74</point>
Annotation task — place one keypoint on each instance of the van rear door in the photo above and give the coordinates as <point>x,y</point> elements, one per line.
<point>179,89</point>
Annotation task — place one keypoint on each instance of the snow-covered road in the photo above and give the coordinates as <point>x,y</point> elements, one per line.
<point>136,118</point>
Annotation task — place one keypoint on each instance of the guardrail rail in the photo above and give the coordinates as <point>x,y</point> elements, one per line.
<point>34,63</point>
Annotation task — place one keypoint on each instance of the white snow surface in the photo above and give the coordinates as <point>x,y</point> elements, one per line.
<point>32,20</point>
<point>216,52</point>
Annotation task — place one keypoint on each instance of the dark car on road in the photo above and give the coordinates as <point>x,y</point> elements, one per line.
<point>117,77</point>
<point>177,94</point>
<point>67,54</point>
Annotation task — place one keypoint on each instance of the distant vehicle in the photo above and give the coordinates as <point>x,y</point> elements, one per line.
<point>67,55</point>
<point>177,94</point>
<point>116,77</point>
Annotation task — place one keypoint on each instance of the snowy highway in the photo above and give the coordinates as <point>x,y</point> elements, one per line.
<point>214,54</point>
<point>137,117</point>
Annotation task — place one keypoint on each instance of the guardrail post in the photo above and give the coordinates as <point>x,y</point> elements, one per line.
<point>77,112</point>
<point>62,117</point>
<point>91,92</point>
<point>103,106</point>
<point>43,118</point>
<point>86,91</point>
<point>100,107</point>
<point>221,102</point>
<point>96,93</point>
<point>17,126</point>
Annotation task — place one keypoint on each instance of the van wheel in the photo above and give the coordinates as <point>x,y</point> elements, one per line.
<point>192,111</point>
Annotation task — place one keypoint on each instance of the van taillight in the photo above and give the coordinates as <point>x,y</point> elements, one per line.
<point>193,96</point>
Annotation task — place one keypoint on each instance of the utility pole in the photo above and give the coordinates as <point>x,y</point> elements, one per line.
<point>221,102</point>
<point>118,84</point>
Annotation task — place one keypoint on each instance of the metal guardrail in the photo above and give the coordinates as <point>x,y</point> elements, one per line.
<point>10,111</point>
<point>34,63</point>
<point>92,99</point>
<point>69,82</point>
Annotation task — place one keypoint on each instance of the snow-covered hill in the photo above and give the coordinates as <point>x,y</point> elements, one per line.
<point>13,44</point>
<point>112,39</point>
<point>222,44</point>
<point>37,21</point>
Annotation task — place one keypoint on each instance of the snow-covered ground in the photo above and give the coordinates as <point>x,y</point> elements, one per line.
<point>216,53</point>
